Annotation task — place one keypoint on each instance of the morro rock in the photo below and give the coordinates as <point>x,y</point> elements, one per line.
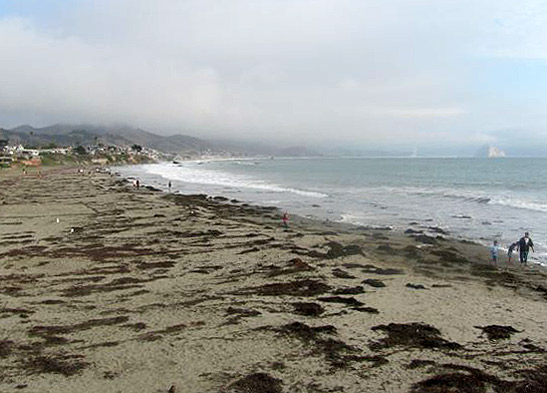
<point>490,152</point>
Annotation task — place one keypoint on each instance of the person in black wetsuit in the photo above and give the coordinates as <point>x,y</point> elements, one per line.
<point>525,244</point>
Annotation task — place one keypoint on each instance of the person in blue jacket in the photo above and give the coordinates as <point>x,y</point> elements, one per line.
<point>494,252</point>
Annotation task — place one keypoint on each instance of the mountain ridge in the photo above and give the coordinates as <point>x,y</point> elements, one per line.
<point>126,136</point>
<point>87,134</point>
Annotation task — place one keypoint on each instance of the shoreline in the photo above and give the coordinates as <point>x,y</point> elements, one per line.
<point>138,290</point>
<point>434,233</point>
<point>462,221</point>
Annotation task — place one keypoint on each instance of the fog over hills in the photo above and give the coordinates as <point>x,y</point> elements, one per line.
<point>124,135</point>
<point>88,134</point>
<point>85,134</point>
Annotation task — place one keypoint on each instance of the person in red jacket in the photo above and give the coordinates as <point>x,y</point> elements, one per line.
<point>285,220</point>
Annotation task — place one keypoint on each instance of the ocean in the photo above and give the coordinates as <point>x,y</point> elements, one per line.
<point>476,199</point>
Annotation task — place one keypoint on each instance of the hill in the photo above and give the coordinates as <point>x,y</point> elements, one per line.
<point>124,136</point>
<point>71,135</point>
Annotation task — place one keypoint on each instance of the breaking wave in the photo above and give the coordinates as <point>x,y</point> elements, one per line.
<point>194,175</point>
<point>471,196</point>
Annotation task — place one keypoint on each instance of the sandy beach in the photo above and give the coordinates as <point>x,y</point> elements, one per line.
<point>106,288</point>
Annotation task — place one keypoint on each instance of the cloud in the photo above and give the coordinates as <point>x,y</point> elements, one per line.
<point>419,112</point>
<point>364,71</point>
<point>68,78</point>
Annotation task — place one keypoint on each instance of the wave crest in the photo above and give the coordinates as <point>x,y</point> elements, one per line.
<point>190,174</point>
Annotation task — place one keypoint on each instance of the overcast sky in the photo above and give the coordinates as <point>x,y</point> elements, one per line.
<point>421,73</point>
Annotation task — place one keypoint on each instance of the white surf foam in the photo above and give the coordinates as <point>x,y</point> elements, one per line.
<point>190,173</point>
<point>520,204</point>
<point>474,196</point>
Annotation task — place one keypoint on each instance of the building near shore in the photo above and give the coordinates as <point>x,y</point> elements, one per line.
<point>57,150</point>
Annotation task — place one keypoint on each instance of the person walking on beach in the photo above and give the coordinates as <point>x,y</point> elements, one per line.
<point>169,185</point>
<point>285,220</point>
<point>525,244</point>
<point>510,251</point>
<point>494,252</point>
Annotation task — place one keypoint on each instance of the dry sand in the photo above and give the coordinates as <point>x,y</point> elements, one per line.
<point>139,291</point>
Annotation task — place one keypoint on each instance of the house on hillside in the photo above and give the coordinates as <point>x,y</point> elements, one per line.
<point>30,153</point>
<point>14,150</point>
<point>57,150</point>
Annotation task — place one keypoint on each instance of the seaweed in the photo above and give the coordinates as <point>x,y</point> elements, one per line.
<point>374,283</point>
<point>415,286</point>
<point>308,309</point>
<point>349,290</point>
<point>64,364</point>
<point>412,335</point>
<point>497,332</point>
<point>256,383</point>
<point>339,273</point>
<point>380,271</point>
<point>305,287</point>
<point>350,301</point>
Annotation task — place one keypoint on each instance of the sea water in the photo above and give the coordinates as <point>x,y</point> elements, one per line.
<point>477,199</point>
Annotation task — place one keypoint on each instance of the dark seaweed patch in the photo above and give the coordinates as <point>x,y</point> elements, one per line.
<point>349,290</point>
<point>256,383</point>
<point>497,332</point>
<point>174,329</point>
<point>415,286</point>
<point>294,288</point>
<point>466,379</point>
<point>308,309</point>
<point>306,332</point>
<point>339,273</point>
<point>6,348</point>
<point>238,313</point>
<point>412,335</point>
<point>350,301</point>
<point>451,382</point>
<point>337,250</point>
<point>353,265</point>
<point>116,285</point>
<point>335,351</point>
<point>295,265</point>
<point>135,326</point>
<point>418,363</point>
<point>63,364</point>
<point>425,239</point>
<point>374,283</point>
<point>377,270</point>
<point>49,331</point>
<point>155,265</point>
<point>535,381</point>
<point>385,248</point>
<point>370,310</point>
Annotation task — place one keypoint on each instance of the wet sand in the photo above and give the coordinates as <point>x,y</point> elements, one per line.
<point>105,288</point>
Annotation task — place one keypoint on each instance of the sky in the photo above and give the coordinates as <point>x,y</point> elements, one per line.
<point>451,75</point>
